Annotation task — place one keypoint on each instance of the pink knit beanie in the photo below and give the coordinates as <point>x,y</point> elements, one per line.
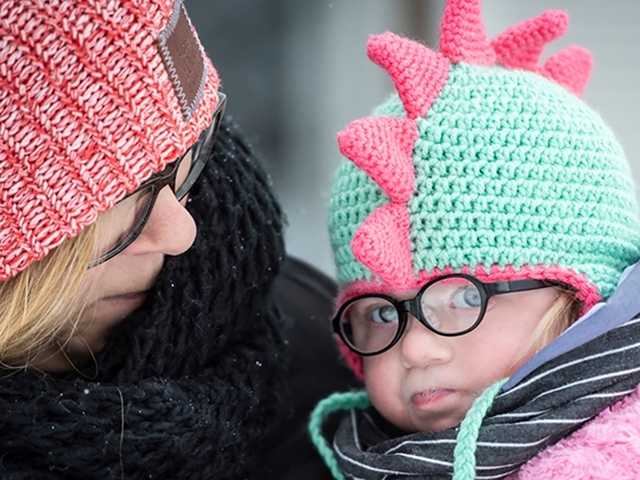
<point>95,97</point>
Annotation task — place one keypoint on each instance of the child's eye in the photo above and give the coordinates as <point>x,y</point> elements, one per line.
<point>466,297</point>
<point>384,314</point>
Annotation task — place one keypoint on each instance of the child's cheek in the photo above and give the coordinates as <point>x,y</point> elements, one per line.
<point>500,346</point>
<point>383,377</point>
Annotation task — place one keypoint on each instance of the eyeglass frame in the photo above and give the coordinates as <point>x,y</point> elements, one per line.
<point>413,306</point>
<point>168,177</point>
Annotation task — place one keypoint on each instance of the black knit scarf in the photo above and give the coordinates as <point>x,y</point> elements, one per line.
<point>190,384</point>
<point>594,364</point>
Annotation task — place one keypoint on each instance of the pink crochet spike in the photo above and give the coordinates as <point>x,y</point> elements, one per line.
<point>418,73</point>
<point>570,67</point>
<point>521,46</point>
<point>462,34</point>
<point>382,147</point>
<point>382,244</point>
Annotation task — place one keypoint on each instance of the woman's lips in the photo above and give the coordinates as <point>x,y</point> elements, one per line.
<point>429,398</point>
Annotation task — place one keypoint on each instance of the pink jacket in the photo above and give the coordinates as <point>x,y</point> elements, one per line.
<point>606,448</point>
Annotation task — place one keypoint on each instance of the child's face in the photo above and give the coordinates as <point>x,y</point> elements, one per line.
<point>427,382</point>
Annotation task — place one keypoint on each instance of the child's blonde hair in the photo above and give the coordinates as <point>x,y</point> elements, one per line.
<point>42,305</point>
<point>562,314</point>
<point>564,311</point>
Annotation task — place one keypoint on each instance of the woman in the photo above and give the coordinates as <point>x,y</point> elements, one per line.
<point>138,338</point>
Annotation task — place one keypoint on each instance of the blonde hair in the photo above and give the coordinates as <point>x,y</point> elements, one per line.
<point>564,311</point>
<point>42,305</point>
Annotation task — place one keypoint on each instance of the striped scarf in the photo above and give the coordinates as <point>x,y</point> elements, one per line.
<point>592,365</point>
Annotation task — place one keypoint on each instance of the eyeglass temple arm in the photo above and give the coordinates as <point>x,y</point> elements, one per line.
<point>498,288</point>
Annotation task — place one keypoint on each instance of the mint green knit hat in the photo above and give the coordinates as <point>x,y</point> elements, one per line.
<point>483,162</point>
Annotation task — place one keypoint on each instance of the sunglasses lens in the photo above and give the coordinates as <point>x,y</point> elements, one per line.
<point>121,225</point>
<point>125,220</point>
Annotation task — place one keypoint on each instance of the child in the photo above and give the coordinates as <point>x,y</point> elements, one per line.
<point>485,233</point>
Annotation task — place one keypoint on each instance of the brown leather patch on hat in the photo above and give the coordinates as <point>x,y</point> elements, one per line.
<point>184,59</point>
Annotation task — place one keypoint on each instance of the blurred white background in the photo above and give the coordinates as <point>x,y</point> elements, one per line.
<point>297,72</point>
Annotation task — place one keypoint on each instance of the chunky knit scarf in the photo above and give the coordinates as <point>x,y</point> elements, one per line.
<point>595,363</point>
<point>190,384</point>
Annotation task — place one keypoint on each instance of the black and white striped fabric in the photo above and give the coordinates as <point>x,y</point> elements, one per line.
<point>543,406</point>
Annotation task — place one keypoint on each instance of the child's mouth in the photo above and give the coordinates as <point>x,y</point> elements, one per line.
<point>430,397</point>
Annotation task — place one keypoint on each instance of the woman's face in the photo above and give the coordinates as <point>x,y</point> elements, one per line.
<point>114,289</point>
<point>427,382</point>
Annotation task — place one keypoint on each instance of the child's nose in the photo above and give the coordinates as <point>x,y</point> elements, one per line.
<point>420,347</point>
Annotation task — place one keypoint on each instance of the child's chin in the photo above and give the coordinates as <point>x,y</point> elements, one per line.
<point>437,426</point>
<point>436,423</point>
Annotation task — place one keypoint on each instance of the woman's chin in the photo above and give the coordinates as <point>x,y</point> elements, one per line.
<point>110,311</point>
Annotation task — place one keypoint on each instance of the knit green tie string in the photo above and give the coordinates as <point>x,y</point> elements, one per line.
<point>331,404</point>
<point>464,454</point>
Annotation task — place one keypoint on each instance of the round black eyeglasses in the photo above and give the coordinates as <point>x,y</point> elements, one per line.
<point>451,305</point>
<point>129,216</point>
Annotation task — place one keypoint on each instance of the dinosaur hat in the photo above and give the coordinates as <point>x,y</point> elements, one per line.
<point>485,162</point>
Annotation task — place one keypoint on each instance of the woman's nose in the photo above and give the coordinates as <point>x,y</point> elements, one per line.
<point>170,229</point>
<point>420,347</point>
